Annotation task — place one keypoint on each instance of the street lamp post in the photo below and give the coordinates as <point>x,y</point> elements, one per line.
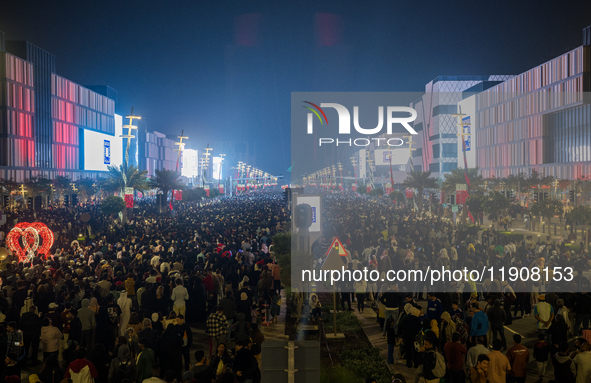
<point>181,146</point>
<point>129,136</point>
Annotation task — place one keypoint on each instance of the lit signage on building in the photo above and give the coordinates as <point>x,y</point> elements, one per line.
<point>99,157</point>
<point>189,163</point>
<point>217,168</point>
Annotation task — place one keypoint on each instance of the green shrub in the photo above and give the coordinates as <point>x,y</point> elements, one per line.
<point>338,374</point>
<point>367,362</point>
<point>346,320</point>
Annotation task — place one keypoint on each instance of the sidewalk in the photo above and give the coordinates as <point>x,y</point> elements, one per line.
<point>374,334</point>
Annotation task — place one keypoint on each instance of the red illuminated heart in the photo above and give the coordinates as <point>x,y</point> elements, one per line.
<point>24,240</point>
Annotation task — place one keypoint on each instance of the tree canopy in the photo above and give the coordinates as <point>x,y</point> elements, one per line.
<point>420,181</point>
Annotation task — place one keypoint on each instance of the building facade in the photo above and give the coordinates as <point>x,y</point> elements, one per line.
<point>51,126</point>
<point>540,119</point>
<point>43,116</point>
<point>437,142</point>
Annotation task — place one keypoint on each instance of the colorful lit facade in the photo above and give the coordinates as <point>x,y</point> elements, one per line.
<point>43,116</point>
<point>540,119</point>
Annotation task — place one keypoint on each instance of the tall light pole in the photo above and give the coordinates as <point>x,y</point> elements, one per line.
<point>410,150</point>
<point>555,184</point>
<point>206,161</point>
<point>181,146</point>
<point>220,172</point>
<point>129,136</point>
<point>461,135</point>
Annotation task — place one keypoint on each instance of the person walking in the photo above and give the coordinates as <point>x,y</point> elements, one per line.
<point>454,354</point>
<point>518,356</point>
<point>409,327</point>
<point>479,325</point>
<point>497,318</point>
<point>230,308</point>
<point>88,323</point>
<point>583,363</point>
<point>50,339</point>
<point>565,369</point>
<point>391,339</point>
<point>541,353</point>
<point>145,360</point>
<point>179,296</point>
<point>124,304</point>
<point>31,326</point>
<point>217,326</point>
<point>169,348</point>
<point>360,290</point>
<point>499,364</point>
<point>428,359</point>
<point>544,314</point>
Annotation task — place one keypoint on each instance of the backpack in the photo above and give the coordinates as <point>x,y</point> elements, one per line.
<point>439,368</point>
<point>420,337</point>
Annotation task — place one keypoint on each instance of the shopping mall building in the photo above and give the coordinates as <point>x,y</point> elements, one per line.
<point>539,119</point>
<point>51,126</point>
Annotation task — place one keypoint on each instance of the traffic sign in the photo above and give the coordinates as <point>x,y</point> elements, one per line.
<point>337,245</point>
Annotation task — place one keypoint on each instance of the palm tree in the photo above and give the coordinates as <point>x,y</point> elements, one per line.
<point>457,177</point>
<point>166,180</point>
<point>121,177</point>
<point>420,181</point>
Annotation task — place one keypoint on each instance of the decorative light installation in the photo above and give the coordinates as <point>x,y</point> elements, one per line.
<point>26,239</point>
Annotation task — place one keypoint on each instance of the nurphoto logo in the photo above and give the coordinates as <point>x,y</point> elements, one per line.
<point>392,117</point>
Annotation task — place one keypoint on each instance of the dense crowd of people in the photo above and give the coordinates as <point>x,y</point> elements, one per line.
<point>113,301</point>
<point>459,334</point>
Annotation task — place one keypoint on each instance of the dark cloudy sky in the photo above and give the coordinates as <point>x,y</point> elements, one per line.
<point>224,70</point>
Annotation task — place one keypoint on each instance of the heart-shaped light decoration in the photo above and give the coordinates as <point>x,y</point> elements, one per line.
<point>24,240</point>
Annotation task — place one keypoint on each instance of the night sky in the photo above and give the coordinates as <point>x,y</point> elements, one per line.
<point>224,70</point>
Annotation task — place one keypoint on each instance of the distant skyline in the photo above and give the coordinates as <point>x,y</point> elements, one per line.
<point>225,71</point>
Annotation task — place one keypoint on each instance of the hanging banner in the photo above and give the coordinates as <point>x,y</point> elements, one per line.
<point>221,189</point>
<point>206,190</point>
<point>129,200</point>
<point>461,197</point>
<point>409,193</point>
<point>178,195</point>
<point>368,189</point>
<point>354,187</point>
